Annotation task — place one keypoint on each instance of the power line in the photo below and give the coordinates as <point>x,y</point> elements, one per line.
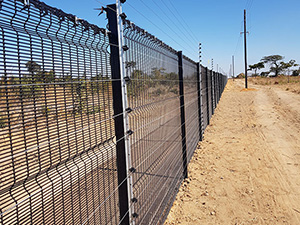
<point>249,5</point>
<point>237,44</point>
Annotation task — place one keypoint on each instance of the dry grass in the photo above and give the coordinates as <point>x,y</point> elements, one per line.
<point>286,83</point>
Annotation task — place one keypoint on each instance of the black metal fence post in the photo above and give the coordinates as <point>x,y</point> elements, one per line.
<point>216,88</point>
<point>212,93</point>
<point>118,112</point>
<point>199,101</point>
<point>219,84</point>
<point>207,97</point>
<point>219,87</point>
<point>182,115</point>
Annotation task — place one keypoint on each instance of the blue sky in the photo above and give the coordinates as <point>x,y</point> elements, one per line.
<point>274,26</point>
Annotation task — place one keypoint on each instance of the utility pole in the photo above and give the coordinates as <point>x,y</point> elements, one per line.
<point>245,42</point>
<point>233,67</point>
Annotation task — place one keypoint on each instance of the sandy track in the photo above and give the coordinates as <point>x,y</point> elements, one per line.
<point>247,169</point>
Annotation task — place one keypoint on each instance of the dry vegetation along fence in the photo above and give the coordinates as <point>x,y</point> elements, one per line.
<point>87,136</point>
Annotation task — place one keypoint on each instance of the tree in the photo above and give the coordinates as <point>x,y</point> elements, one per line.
<point>256,67</point>
<point>274,61</point>
<point>296,72</point>
<point>39,75</point>
<point>157,73</point>
<point>264,74</point>
<point>33,67</point>
<point>288,65</point>
<point>241,75</point>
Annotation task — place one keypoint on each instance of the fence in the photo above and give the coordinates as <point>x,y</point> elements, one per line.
<point>95,128</point>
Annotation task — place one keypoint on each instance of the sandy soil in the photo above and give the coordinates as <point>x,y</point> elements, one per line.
<point>247,168</point>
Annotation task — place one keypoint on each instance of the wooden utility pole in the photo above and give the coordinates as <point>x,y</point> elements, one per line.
<point>245,42</point>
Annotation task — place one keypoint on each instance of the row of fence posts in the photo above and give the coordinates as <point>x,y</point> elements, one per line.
<point>217,84</point>
<point>209,91</point>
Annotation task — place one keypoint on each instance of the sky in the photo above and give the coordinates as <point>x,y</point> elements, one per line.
<point>273,26</point>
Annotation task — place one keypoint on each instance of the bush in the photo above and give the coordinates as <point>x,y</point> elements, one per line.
<point>174,90</point>
<point>295,73</point>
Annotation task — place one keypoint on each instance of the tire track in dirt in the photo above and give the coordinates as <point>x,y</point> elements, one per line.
<point>278,135</point>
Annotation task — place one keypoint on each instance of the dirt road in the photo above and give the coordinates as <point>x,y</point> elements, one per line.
<point>247,168</point>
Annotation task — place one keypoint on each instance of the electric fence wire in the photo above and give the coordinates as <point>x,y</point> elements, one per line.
<point>185,26</point>
<point>184,48</point>
<point>156,25</point>
<point>189,31</point>
<point>184,33</point>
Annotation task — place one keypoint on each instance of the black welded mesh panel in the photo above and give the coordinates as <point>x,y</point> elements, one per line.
<point>204,89</point>
<point>156,143</point>
<point>213,90</point>
<point>210,100</point>
<point>57,146</point>
<point>191,105</point>
<point>217,89</point>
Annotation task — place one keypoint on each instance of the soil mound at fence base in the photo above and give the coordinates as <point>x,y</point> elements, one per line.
<point>249,89</point>
<point>246,170</point>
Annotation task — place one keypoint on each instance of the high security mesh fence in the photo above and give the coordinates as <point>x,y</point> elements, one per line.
<point>156,151</point>
<point>57,146</point>
<point>191,105</point>
<point>95,128</point>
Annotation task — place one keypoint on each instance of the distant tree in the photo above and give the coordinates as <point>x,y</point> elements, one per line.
<point>137,83</point>
<point>264,74</point>
<point>288,65</point>
<point>129,64</point>
<point>157,73</point>
<point>274,61</point>
<point>256,67</point>
<point>296,72</point>
<point>47,77</point>
<point>39,75</point>
<point>241,75</point>
<point>33,67</point>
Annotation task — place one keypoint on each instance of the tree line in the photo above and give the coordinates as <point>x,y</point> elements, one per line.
<point>276,66</point>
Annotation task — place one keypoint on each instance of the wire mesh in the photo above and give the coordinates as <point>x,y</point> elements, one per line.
<point>204,97</point>
<point>58,139</point>
<point>153,95</point>
<point>57,142</point>
<point>191,105</point>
